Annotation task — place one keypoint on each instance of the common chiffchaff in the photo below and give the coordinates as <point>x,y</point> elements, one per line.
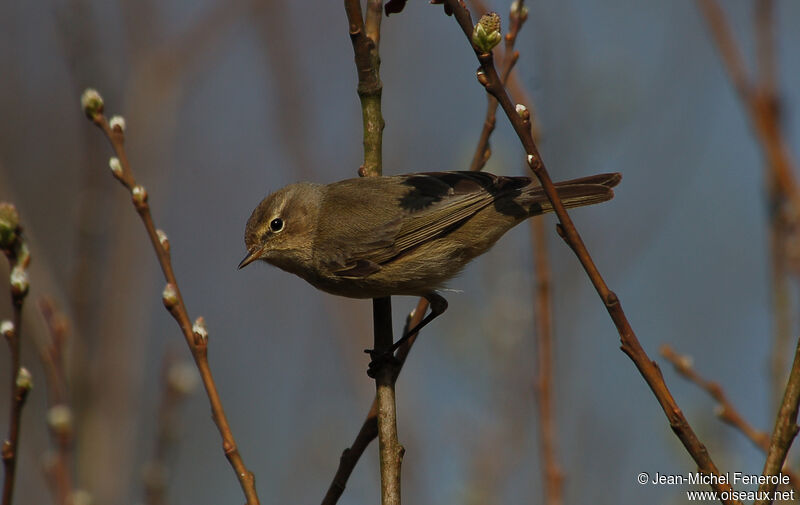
<point>371,237</point>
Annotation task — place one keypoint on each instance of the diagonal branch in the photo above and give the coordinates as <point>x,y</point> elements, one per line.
<point>196,336</point>
<point>725,410</point>
<point>491,80</point>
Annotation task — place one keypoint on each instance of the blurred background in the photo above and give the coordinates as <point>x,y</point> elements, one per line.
<point>227,101</point>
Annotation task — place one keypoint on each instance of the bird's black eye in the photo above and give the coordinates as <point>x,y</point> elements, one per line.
<point>276,225</point>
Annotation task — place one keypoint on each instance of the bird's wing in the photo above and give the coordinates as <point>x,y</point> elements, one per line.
<point>390,218</point>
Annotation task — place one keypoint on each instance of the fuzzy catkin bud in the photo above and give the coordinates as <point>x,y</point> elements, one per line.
<point>139,195</point>
<point>24,379</point>
<point>182,377</point>
<point>170,296</point>
<point>115,166</point>
<point>117,123</point>
<point>523,13</point>
<point>7,328</point>
<point>163,240</point>
<point>19,281</point>
<point>59,418</point>
<point>199,329</point>
<point>92,102</point>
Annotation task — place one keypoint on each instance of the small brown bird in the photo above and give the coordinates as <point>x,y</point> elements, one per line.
<point>372,237</point>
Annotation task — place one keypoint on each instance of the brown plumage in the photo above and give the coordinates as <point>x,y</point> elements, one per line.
<point>402,235</point>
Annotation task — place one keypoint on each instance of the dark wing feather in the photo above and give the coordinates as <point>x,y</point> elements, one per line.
<point>393,215</point>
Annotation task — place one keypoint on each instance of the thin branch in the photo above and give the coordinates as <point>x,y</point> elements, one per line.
<point>725,411</point>
<point>59,413</point>
<point>370,86</point>
<point>369,428</point>
<point>15,248</point>
<point>365,37</point>
<point>490,79</point>
<point>762,110</point>
<point>178,380</point>
<point>785,429</point>
<point>517,17</point>
<point>553,476</point>
<point>196,336</point>
<point>389,448</point>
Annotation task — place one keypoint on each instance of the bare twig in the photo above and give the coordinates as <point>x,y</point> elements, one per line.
<point>177,382</point>
<point>59,414</point>
<point>16,250</point>
<point>553,477</point>
<point>196,336</point>
<point>369,428</point>
<point>490,79</point>
<point>725,410</point>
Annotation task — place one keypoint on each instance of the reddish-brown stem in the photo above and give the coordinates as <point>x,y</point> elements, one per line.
<point>553,477</point>
<point>630,343</point>
<point>176,384</point>
<point>725,410</point>
<point>197,344</point>
<point>509,57</point>
<point>18,259</point>
<point>58,468</point>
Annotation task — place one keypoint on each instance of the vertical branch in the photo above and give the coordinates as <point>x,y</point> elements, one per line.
<point>196,336</point>
<point>490,79</point>
<point>370,86</point>
<point>178,380</point>
<point>59,412</point>
<point>543,311</point>
<point>16,250</point>
<point>389,448</point>
<point>365,37</point>
<point>369,428</point>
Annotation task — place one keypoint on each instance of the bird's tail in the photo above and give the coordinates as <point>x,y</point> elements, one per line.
<point>575,192</point>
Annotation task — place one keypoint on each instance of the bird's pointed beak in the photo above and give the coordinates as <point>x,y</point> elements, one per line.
<point>252,255</point>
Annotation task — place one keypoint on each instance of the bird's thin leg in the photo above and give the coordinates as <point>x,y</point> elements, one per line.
<point>437,304</point>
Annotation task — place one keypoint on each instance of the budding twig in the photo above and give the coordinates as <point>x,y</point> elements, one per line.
<point>16,250</point>
<point>630,343</point>
<point>173,301</point>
